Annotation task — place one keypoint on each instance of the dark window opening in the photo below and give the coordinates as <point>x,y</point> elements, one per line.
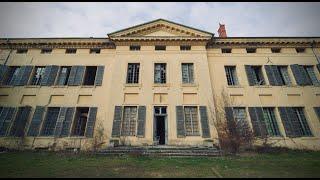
<point>46,51</point>
<point>63,75</point>
<point>94,51</point>
<point>275,50</point>
<point>185,48</point>
<point>37,75</point>
<point>22,51</point>
<point>71,51</point>
<point>258,76</point>
<point>80,121</point>
<point>251,50</point>
<point>226,50</point>
<point>160,48</point>
<point>90,75</point>
<point>300,50</point>
<point>134,48</point>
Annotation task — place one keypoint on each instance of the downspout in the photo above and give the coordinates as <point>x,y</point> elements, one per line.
<point>5,62</point>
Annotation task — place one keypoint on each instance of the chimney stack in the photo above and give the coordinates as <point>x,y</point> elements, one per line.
<point>222,31</point>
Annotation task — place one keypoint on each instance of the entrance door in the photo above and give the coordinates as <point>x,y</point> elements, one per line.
<point>160,125</point>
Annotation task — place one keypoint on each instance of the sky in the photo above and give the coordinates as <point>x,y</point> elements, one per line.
<point>84,19</point>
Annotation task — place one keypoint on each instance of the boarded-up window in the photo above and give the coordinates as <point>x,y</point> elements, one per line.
<point>129,121</point>
<point>191,121</point>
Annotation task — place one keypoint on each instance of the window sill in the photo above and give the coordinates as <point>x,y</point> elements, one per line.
<point>60,86</point>
<point>132,85</point>
<point>161,85</point>
<point>262,86</point>
<point>33,86</point>
<point>87,86</point>
<point>235,86</point>
<point>6,86</point>
<point>189,85</point>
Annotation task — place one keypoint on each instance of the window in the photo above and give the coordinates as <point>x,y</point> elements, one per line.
<point>275,50</point>
<point>80,121</point>
<point>160,73</point>
<point>37,75</point>
<point>160,48</point>
<point>300,50</point>
<point>134,48</point>
<point>303,125</point>
<point>71,51</point>
<point>283,70</point>
<point>311,75</point>
<point>160,110</point>
<point>258,76</point>
<point>240,117</point>
<point>226,50</point>
<point>187,73</point>
<point>63,75</point>
<point>133,73</point>
<point>22,51</point>
<point>50,121</point>
<point>94,51</point>
<point>12,75</point>
<point>46,51</point>
<point>191,121</point>
<point>185,48</point>
<point>251,50</point>
<point>129,121</point>
<point>90,75</point>
<point>231,75</point>
<point>270,121</point>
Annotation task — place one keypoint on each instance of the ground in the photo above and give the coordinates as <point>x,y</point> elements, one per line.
<point>49,164</point>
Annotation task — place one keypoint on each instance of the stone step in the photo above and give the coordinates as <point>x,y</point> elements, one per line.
<point>164,154</point>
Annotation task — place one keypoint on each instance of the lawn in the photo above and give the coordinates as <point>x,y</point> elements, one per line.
<point>49,164</point>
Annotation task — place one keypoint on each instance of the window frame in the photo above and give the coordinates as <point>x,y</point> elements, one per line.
<point>161,73</point>
<point>71,51</point>
<point>160,47</point>
<point>195,131</point>
<point>33,74</point>
<point>134,47</point>
<point>233,75</point>
<point>59,73</point>
<point>185,47</point>
<point>190,80</point>
<point>260,75</point>
<point>137,73</point>
<point>95,51</point>
<point>129,132</point>
<point>44,122</point>
<point>46,51</point>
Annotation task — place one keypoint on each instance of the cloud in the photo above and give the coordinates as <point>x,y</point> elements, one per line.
<point>84,19</point>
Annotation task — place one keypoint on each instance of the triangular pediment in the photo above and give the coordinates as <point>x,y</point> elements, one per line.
<point>160,29</point>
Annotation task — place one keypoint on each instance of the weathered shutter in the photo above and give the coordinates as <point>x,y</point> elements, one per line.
<point>318,66</point>
<point>6,116</point>
<point>49,76</point>
<point>230,119</point>
<point>67,122</point>
<point>180,122</point>
<point>257,119</point>
<point>300,75</point>
<point>60,120</point>
<point>18,127</point>
<point>250,75</point>
<point>274,75</point>
<point>36,121</point>
<point>317,110</point>
<point>23,76</point>
<point>72,75</point>
<point>3,72</point>
<point>204,122</point>
<point>91,121</point>
<point>287,123</point>
<point>141,121</point>
<point>99,75</point>
<point>117,121</point>
<point>79,75</point>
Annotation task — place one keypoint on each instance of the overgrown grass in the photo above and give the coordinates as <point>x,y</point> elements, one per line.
<point>49,164</point>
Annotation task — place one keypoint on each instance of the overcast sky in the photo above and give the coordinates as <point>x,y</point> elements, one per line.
<point>83,19</point>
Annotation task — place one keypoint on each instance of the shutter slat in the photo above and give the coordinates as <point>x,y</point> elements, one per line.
<point>257,120</point>
<point>204,122</point>
<point>180,122</point>
<point>317,110</point>
<point>99,75</point>
<point>300,75</point>
<point>36,121</point>
<point>250,75</point>
<point>18,127</point>
<point>23,76</point>
<point>286,117</point>
<point>141,121</point>
<point>79,75</point>
<point>271,75</point>
<point>91,122</point>
<point>67,122</point>
<point>72,75</point>
<point>3,72</point>
<point>6,117</point>
<point>117,121</point>
<point>60,120</point>
<point>318,66</point>
<point>50,74</point>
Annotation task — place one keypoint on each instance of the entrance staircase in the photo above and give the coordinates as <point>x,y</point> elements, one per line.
<point>161,151</point>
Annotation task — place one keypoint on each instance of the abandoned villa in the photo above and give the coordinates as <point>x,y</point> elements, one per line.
<point>157,83</point>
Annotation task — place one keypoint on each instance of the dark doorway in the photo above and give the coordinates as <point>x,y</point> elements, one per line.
<point>161,129</point>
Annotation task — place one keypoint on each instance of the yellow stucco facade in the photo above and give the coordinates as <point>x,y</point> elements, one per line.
<point>208,73</point>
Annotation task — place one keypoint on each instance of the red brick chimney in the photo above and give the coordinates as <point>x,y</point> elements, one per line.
<point>222,31</point>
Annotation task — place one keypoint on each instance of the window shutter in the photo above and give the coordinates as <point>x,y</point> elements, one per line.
<point>288,118</point>
<point>79,76</point>
<point>117,121</point>
<point>6,116</point>
<point>230,119</point>
<point>91,122</point>
<point>250,75</point>
<point>23,76</point>
<point>99,75</point>
<point>141,121</point>
<point>3,72</point>
<point>72,75</point>
<point>317,110</point>
<point>67,122</point>
<point>180,122</point>
<point>204,122</point>
<point>18,127</point>
<point>270,74</point>
<point>257,120</point>
<point>318,66</point>
<point>60,120</point>
<point>36,121</point>
<point>300,75</point>
<point>50,74</point>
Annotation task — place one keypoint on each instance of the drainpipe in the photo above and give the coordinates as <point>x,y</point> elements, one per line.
<point>5,62</point>
<point>312,47</point>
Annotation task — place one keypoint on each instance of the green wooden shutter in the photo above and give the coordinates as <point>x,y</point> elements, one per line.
<point>6,117</point>
<point>250,75</point>
<point>79,75</point>
<point>180,122</point>
<point>18,126</point>
<point>257,120</point>
<point>36,121</point>
<point>49,76</point>
<point>141,121</point>
<point>91,122</point>
<point>116,127</point>
<point>204,122</point>
<point>99,75</point>
<point>317,110</point>
<point>23,76</point>
<point>67,122</point>
<point>60,120</point>
<point>3,72</point>
<point>300,75</point>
